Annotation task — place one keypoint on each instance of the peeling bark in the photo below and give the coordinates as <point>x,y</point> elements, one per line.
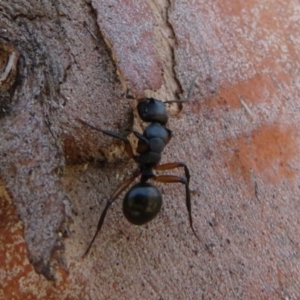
<point>39,132</point>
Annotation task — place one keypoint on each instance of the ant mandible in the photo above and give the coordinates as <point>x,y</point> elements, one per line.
<point>143,201</point>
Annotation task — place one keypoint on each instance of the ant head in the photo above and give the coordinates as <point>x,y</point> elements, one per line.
<point>153,110</point>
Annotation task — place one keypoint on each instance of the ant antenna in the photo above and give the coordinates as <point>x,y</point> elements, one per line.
<point>191,88</point>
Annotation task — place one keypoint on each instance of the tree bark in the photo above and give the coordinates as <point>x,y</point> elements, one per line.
<point>63,72</point>
<point>61,61</point>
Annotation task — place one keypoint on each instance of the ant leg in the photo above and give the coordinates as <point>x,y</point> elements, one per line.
<point>144,144</point>
<point>174,179</point>
<point>128,147</point>
<point>109,202</point>
<point>170,135</point>
<point>140,137</point>
<point>174,165</point>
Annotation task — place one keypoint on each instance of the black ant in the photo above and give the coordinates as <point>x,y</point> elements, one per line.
<point>143,201</point>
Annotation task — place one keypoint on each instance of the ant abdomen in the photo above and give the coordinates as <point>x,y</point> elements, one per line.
<point>142,203</point>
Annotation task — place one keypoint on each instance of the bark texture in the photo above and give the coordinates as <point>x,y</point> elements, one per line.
<point>239,135</point>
